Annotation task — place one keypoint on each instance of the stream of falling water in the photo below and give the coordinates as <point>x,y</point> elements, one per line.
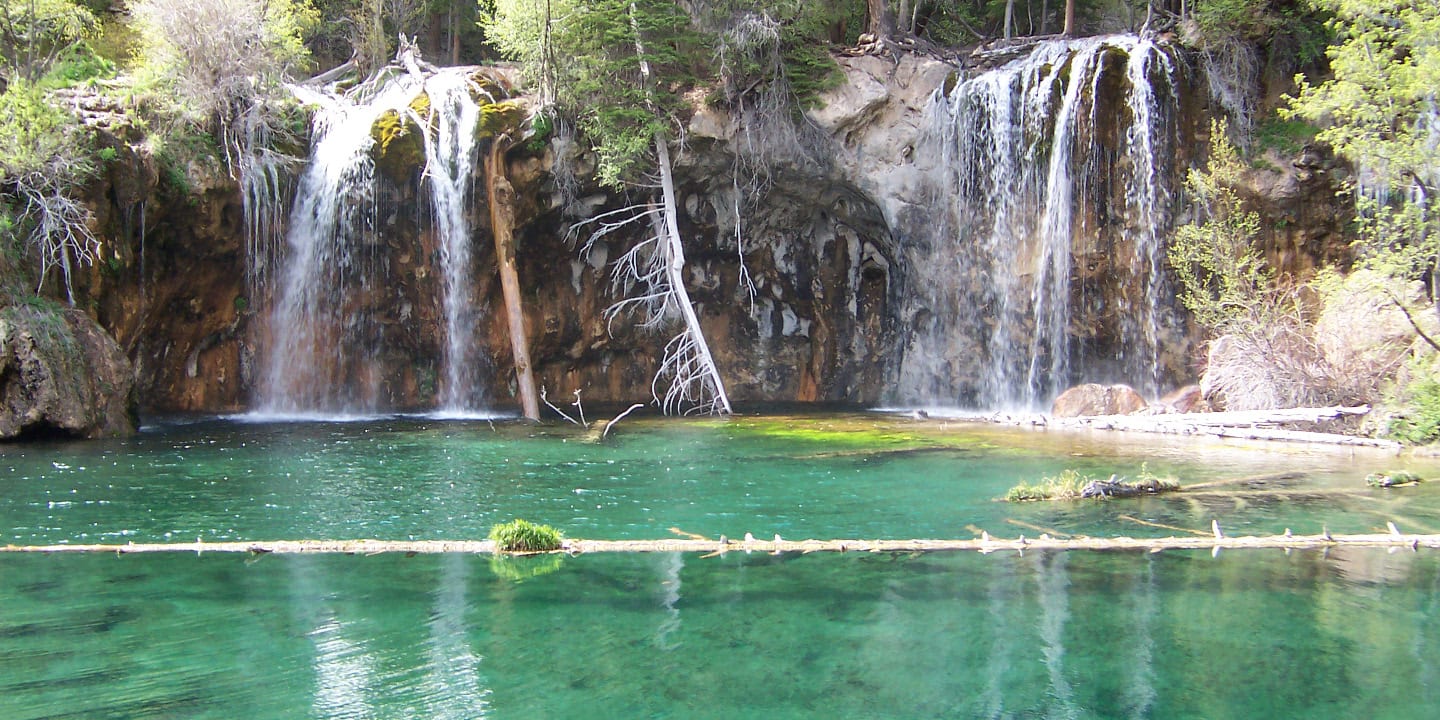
<point>324,342</point>
<point>1037,184</point>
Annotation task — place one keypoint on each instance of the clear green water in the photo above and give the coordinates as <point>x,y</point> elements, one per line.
<point>1244,635</point>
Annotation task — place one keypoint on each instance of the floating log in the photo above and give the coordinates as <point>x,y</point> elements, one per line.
<point>984,544</point>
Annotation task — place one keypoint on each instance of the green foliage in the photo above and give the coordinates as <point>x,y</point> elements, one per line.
<point>1296,26</point>
<point>79,64</point>
<point>44,159</point>
<point>626,66</point>
<point>1286,137</point>
<point>1378,111</point>
<point>1070,484</point>
<point>35,33</point>
<point>1064,486</point>
<point>219,63</point>
<point>1418,420</point>
<point>777,46</point>
<point>1223,278</point>
<point>33,132</point>
<point>524,536</point>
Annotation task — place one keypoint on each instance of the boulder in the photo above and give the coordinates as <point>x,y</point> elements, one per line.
<point>61,374</point>
<point>1095,399</point>
<point>1187,399</point>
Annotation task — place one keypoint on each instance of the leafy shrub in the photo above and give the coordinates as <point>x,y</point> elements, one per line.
<point>1419,420</point>
<point>521,535</point>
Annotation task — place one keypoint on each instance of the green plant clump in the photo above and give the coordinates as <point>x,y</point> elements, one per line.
<point>1393,478</point>
<point>1065,486</point>
<point>524,536</point>
<point>1071,484</point>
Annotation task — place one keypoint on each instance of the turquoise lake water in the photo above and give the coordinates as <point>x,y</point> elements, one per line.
<point>1252,634</point>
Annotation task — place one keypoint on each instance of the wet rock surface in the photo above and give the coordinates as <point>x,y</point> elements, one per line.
<point>807,278</point>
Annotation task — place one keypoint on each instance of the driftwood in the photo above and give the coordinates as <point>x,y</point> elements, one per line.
<point>1126,488</point>
<point>1245,425</point>
<point>694,544</point>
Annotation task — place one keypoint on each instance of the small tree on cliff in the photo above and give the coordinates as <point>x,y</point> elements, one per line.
<point>34,34</point>
<point>617,55</point>
<point>1381,110</point>
<point>225,61</point>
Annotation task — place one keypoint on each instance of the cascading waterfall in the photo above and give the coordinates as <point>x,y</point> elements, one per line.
<point>325,331</point>
<point>451,149</point>
<point>1047,192</point>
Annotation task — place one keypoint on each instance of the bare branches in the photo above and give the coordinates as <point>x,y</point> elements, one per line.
<point>649,277</point>
<point>60,230</point>
<point>546,399</point>
<point>618,418</point>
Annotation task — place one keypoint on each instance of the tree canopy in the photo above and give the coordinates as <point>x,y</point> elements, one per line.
<point>1379,110</point>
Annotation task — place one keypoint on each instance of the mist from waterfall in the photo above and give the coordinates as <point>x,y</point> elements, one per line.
<point>1043,195</point>
<point>322,349</point>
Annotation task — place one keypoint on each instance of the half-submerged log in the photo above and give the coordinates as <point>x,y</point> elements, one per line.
<point>1126,488</point>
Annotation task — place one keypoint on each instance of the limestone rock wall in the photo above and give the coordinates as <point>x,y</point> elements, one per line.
<point>825,237</point>
<point>62,375</point>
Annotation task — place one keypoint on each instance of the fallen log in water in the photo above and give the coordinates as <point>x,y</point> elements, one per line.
<point>983,544</point>
<point>1243,425</point>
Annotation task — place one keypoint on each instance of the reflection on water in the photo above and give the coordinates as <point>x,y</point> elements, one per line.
<point>1083,635</point>
<point>1052,591</point>
<point>452,684</point>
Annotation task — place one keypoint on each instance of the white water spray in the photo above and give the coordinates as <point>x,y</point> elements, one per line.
<point>325,338</point>
<point>1037,182</point>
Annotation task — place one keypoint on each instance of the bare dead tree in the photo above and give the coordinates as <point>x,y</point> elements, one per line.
<point>656,265</point>
<point>60,225</point>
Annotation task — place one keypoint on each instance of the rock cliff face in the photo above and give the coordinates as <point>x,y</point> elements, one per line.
<point>62,375</point>
<point>803,271</point>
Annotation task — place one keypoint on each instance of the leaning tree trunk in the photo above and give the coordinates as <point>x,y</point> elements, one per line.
<point>675,255</point>
<point>502,223</point>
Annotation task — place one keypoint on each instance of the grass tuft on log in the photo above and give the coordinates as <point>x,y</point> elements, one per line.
<point>1072,484</point>
<point>521,535</point>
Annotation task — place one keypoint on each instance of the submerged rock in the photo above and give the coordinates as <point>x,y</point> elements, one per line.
<point>61,374</point>
<point>1094,399</point>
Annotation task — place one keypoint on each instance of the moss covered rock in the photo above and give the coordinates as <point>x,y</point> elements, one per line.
<point>399,141</point>
<point>499,118</point>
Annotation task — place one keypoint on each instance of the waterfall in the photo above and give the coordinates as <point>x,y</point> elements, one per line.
<point>451,150</point>
<point>333,316</point>
<point>1044,263</point>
